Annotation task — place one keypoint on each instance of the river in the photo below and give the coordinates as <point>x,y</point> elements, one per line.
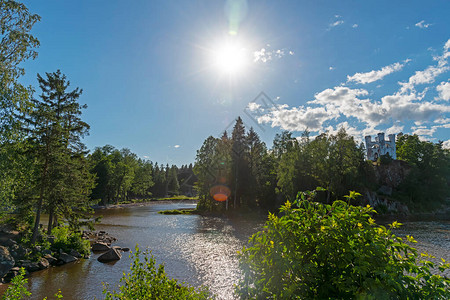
<point>194,249</point>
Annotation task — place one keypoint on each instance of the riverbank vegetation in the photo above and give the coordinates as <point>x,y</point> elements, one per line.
<point>249,175</point>
<point>318,251</point>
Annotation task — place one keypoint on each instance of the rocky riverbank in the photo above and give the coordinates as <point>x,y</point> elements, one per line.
<point>14,255</point>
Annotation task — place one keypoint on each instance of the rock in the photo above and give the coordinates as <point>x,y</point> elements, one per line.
<point>117,248</point>
<point>111,255</point>
<point>17,251</point>
<point>51,260</point>
<point>75,253</point>
<point>66,258</point>
<point>46,251</point>
<point>125,249</point>
<point>43,264</point>
<point>30,266</point>
<point>99,247</point>
<point>11,274</point>
<point>6,261</point>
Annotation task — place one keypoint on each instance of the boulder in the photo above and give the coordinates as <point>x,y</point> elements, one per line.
<point>43,264</point>
<point>11,274</point>
<point>66,258</point>
<point>117,248</point>
<point>111,255</point>
<point>6,261</point>
<point>100,247</point>
<point>125,249</point>
<point>30,266</point>
<point>75,253</point>
<point>46,251</point>
<point>51,260</point>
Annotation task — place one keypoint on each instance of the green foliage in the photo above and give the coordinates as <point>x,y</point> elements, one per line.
<point>146,281</point>
<point>66,240</point>
<point>16,46</point>
<point>120,175</point>
<point>428,184</point>
<point>17,289</point>
<point>385,159</point>
<point>317,251</point>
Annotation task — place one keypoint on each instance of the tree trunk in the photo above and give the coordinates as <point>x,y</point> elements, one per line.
<point>39,206</point>
<point>50,222</point>
<point>38,216</point>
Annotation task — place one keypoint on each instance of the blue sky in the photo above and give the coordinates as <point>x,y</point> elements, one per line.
<point>153,82</point>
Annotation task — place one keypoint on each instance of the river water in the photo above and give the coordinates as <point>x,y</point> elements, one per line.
<point>194,249</point>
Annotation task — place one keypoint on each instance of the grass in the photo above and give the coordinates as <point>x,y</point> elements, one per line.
<point>186,211</point>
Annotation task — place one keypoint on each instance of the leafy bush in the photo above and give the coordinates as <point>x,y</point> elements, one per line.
<point>67,240</point>
<point>17,289</point>
<point>146,282</point>
<point>317,251</point>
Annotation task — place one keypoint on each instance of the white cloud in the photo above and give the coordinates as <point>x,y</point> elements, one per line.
<point>252,106</point>
<point>430,73</point>
<point>372,76</point>
<point>331,68</point>
<point>395,129</point>
<point>296,118</point>
<point>446,144</point>
<point>422,24</point>
<point>265,55</point>
<point>177,146</point>
<point>392,113</point>
<point>337,23</point>
<point>355,25</point>
<point>146,156</point>
<point>424,131</point>
<point>444,90</point>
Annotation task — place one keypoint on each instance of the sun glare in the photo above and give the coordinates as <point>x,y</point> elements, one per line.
<point>230,58</point>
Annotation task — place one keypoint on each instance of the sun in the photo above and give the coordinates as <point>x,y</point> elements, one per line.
<point>230,58</point>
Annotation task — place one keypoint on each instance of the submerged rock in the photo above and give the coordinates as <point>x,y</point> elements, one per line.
<point>112,255</point>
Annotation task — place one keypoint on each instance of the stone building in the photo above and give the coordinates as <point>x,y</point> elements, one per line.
<point>380,146</point>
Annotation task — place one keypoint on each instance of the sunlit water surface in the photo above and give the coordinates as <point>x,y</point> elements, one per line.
<point>194,249</point>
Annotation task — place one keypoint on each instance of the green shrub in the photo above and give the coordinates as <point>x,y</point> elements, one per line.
<point>317,251</point>
<point>67,240</point>
<point>146,282</point>
<point>17,289</point>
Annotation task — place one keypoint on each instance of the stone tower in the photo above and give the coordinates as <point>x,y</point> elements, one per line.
<point>380,146</point>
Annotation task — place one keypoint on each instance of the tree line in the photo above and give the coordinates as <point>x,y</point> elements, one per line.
<point>251,175</point>
<point>122,176</point>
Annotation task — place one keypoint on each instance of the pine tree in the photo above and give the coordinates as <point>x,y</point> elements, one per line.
<point>55,130</point>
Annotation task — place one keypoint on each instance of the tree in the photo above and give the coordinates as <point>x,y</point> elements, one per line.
<point>55,130</point>
<point>238,145</point>
<point>16,46</point>
<point>142,181</point>
<point>428,184</point>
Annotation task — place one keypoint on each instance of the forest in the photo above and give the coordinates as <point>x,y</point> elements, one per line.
<point>253,175</point>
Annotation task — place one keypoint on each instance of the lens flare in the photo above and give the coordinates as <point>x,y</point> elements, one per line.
<point>220,192</point>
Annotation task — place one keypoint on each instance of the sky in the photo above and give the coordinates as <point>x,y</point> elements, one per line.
<point>159,77</point>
